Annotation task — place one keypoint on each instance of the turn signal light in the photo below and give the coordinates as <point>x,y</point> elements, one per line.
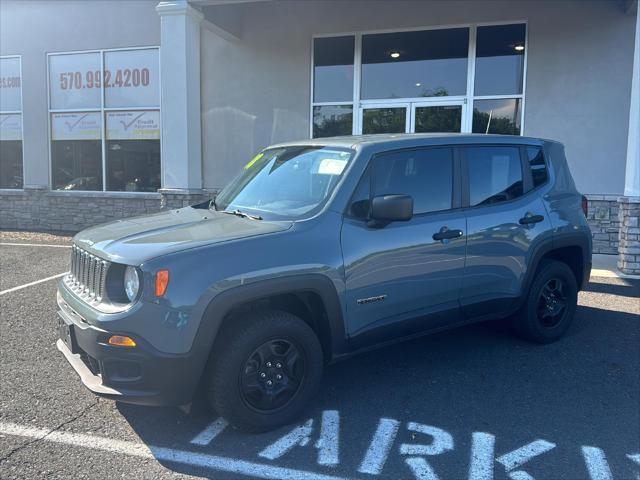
<point>121,341</point>
<point>162,280</point>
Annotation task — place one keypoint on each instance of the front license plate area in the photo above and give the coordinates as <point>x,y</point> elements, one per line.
<point>66,334</point>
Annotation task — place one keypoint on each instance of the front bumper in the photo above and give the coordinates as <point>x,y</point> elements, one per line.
<point>140,374</point>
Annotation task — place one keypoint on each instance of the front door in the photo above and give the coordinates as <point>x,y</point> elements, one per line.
<point>407,276</point>
<point>433,116</point>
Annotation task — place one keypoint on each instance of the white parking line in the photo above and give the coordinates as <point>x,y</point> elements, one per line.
<point>134,449</point>
<point>20,287</point>
<point>214,429</point>
<point>10,244</point>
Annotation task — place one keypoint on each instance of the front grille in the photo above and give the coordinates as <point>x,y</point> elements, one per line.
<point>88,275</point>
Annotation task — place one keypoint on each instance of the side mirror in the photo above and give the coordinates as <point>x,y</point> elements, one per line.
<point>390,208</point>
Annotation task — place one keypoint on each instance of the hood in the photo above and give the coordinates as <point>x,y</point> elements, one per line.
<point>135,240</point>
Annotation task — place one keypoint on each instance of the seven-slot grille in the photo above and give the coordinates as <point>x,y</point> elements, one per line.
<point>88,274</point>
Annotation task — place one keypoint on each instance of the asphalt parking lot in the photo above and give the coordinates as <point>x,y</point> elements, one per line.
<point>474,403</point>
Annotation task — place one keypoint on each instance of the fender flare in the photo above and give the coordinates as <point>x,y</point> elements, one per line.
<point>554,243</point>
<point>223,303</point>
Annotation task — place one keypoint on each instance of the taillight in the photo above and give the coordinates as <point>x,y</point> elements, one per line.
<point>585,206</point>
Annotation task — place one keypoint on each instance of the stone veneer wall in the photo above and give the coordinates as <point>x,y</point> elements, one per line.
<point>604,223</point>
<point>629,247</point>
<point>70,212</point>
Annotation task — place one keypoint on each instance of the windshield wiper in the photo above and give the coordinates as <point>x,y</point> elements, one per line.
<point>242,214</point>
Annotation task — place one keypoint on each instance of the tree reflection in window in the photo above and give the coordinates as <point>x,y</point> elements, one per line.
<point>332,120</point>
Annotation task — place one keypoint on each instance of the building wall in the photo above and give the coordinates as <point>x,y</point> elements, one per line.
<point>256,91</point>
<point>33,29</point>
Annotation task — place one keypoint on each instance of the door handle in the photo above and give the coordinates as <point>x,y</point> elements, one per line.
<point>446,234</point>
<point>529,219</point>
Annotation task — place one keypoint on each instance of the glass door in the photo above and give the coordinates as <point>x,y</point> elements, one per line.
<point>412,117</point>
<point>385,118</point>
<point>436,117</point>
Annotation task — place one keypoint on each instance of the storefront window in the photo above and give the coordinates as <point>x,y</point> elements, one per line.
<point>133,151</point>
<point>497,116</point>
<point>333,83</point>
<point>333,69</point>
<point>332,120</point>
<point>429,63</point>
<point>10,123</point>
<point>76,151</point>
<point>464,79</point>
<point>500,60</point>
<point>120,132</point>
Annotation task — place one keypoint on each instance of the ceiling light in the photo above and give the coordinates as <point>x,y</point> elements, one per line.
<point>519,48</point>
<point>395,54</point>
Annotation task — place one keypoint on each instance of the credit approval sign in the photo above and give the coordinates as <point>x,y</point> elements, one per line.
<point>133,125</point>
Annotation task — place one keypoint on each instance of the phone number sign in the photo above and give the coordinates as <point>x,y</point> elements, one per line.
<point>131,78</point>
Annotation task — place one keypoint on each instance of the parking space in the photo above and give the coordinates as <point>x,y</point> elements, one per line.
<point>474,403</point>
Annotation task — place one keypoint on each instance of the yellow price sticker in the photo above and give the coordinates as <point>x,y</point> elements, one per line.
<point>253,160</point>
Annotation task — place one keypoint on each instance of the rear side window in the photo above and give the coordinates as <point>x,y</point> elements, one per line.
<point>495,174</point>
<point>537,165</point>
<point>426,175</point>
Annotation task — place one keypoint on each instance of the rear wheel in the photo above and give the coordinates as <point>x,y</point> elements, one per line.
<point>264,370</point>
<point>550,305</point>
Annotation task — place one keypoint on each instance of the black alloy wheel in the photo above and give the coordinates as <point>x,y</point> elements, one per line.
<point>552,303</point>
<point>272,375</point>
<point>265,367</point>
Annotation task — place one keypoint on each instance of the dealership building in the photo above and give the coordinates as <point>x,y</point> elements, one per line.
<point>110,109</point>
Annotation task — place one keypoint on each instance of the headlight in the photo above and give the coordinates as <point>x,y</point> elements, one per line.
<point>131,283</point>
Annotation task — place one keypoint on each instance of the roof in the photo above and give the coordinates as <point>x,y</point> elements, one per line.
<point>414,139</point>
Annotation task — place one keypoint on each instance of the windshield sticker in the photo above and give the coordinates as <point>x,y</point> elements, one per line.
<point>331,166</point>
<point>253,160</point>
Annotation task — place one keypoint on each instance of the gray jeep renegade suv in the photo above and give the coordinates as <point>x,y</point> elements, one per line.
<point>317,250</point>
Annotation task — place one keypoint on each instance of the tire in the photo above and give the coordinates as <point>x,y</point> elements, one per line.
<point>550,305</point>
<point>261,347</point>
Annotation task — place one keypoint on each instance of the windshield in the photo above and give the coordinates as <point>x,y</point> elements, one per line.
<point>286,182</point>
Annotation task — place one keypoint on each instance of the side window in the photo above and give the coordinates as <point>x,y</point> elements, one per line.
<point>537,165</point>
<point>495,174</point>
<point>426,175</point>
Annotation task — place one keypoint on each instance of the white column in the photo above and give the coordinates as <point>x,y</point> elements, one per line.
<point>180,95</point>
<point>632,175</point>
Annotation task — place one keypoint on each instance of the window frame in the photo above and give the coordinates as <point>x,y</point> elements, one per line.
<point>21,113</point>
<point>468,98</point>
<point>527,179</point>
<point>456,186</point>
<point>102,110</point>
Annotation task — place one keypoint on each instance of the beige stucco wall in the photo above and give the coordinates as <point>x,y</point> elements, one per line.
<point>255,91</point>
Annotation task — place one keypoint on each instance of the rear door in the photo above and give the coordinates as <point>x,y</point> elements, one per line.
<point>400,279</point>
<point>506,219</point>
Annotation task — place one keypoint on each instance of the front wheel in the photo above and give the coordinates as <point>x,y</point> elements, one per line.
<point>550,305</point>
<point>265,368</point>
